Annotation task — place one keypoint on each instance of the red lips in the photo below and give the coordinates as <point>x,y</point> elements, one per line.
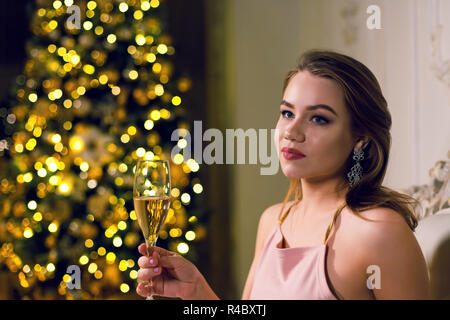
<point>292,154</point>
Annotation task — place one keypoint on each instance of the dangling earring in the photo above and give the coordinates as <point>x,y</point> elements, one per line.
<point>355,173</point>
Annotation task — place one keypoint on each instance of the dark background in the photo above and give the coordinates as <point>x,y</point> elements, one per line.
<point>14,31</point>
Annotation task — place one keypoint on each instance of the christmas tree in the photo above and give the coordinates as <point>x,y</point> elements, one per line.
<point>98,92</point>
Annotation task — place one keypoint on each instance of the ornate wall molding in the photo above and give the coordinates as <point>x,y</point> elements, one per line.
<point>349,13</point>
<point>439,67</point>
<point>435,196</point>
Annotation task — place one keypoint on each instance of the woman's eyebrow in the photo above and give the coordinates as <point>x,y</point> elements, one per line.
<point>315,107</point>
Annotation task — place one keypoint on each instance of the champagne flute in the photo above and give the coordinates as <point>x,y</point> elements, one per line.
<point>151,197</point>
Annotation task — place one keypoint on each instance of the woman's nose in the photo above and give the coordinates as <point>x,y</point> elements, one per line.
<point>294,132</point>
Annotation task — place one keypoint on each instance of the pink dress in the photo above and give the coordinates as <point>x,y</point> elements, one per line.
<point>297,273</point>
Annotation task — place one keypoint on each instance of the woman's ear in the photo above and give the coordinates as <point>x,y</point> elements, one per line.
<point>362,142</point>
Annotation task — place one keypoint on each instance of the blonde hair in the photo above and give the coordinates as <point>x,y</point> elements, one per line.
<point>370,117</point>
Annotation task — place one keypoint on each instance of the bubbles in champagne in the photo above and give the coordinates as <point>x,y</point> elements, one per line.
<point>151,214</point>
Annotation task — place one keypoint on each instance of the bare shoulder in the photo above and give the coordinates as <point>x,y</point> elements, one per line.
<point>380,226</point>
<point>270,215</point>
<point>381,214</point>
<point>386,241</point>
<point>271,212</point>
<point>268,219</point>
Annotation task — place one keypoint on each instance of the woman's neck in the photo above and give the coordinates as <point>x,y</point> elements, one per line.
<point>321,197</point>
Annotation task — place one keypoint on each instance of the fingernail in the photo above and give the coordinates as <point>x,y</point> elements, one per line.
<point>156,269</point>
<point>151,261</point>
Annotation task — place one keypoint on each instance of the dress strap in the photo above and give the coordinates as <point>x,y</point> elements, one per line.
<point>330,226</point>
<point>282,217</point>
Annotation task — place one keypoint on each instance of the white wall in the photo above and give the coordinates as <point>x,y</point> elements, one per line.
<point>267,37</point>
<point>399,54</point>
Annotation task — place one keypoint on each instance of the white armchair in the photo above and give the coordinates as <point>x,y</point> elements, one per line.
<point>433,230</point>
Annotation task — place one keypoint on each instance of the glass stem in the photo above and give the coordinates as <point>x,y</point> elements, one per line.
<point>149,244</point>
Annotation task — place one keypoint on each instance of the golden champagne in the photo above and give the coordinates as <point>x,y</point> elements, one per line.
<point>151,213</point>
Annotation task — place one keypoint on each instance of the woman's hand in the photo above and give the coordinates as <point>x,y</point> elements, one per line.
<point>171,275</point>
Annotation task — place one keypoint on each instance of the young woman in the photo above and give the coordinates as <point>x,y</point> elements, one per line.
<point>344,235</point>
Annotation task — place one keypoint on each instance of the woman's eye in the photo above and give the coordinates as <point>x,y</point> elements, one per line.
<point>319,119</point>
<point>322,120</point>
<point>286,114</point>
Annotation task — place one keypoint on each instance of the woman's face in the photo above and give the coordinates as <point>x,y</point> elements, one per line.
<point>322,135</point>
